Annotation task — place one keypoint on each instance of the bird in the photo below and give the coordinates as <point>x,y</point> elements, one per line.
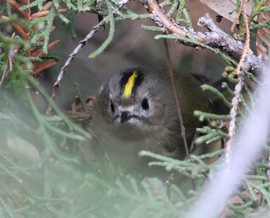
<point>136,110</point>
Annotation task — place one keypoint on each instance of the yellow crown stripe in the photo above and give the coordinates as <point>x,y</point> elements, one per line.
<point>129,85</point>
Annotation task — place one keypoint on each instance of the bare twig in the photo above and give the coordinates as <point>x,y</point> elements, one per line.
<point>70,58</point>
<point>215,37</point>
<point>179,112</point>
<point>235,22</point>
<point>238,88</point>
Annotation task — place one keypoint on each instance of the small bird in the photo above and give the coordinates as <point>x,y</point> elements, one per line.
<point>136,110</point>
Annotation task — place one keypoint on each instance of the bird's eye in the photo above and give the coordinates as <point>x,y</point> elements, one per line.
<point>112,106</point>
<point>145,104</point>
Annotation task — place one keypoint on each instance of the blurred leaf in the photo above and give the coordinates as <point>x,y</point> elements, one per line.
<point>263,35</point>
<point>226,8</point>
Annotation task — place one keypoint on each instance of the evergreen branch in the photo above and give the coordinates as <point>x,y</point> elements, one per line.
<point>212,154</point>
<point>63,117</point>
<point>204,116</point>
<point>190,40</point>
<point>47,31</point>
<point>211,136</point>
<point>110,36</point>
<point>218,93</point>
<point>215,37</point>
<point>180,10</point>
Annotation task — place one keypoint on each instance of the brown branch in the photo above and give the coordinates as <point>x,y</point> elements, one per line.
<point>45,13</point>
<point>214,37</point>
<point>47,6</point>
<point>40,52</point>
<point>161,19</point>
<point>43,66</point>
<point>22,30</point>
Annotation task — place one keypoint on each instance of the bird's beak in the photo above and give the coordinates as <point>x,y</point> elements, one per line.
<point>124,116</point>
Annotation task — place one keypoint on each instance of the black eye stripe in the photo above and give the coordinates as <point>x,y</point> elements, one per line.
<point>125,77</point>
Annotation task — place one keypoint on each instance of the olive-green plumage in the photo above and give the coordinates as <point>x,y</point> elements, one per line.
<point>136,110</point>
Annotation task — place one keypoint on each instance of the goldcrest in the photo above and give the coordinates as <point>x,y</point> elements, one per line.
<point>136,110</point>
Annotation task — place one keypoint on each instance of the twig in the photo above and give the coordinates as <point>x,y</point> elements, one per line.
<point>215,37</point>
<point>70,58</point>
<point>233,114</point>
<point>179,112</point>
<point>238,88</point>
<point>236,19</point>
